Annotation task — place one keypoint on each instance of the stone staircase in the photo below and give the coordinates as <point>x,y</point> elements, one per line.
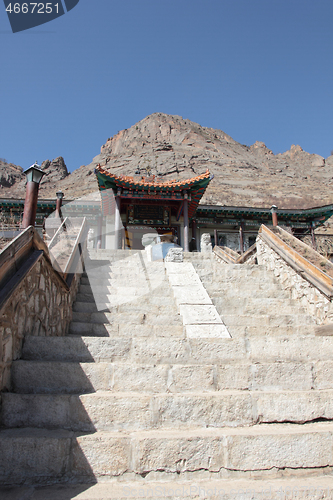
<point>128,398</point>
<point>250,300</point>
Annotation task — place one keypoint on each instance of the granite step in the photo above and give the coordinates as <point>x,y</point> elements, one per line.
<point>32,455</point>
<point>260,348</point>
<point>241,330</point>
<point>135,376</point>
<point>142,299</point>
<point>120,287</point>
<point>106,411</point>
<point>221,290</point>
<point>264,320</point>
<point>108,280</point>
<point>150,326</point>
<point>76,348</point>
<point>124,293</point>
<point>164,308</point>
<point>304,484</point>
<point>263,306</point>
<point>112,254</point>
<point>231,271</point>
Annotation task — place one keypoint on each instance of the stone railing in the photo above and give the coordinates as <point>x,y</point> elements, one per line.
<point>294,265</point>
<point>229,256</point>
<point>35,299</point>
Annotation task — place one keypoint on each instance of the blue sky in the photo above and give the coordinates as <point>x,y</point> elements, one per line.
<point>256,69</point>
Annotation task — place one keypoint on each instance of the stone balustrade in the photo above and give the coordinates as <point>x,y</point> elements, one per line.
<point>35,300</point>
<point>296,276</point>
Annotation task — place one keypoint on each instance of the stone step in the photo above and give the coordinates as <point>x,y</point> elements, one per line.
<point>145,326</point>
<point>161,299</point>
<point>121,295</point>
<point>216,283</point>
<point>90,307</point>
<point>130,267</point>
<point>260,281</point>
<point>108,281</point>
<point>230,268</point>
<point>105,307</point>
<point>118,287</point>
<point>231,271</point>
<point>74,348</point>
<point>261,307</point>
<point>246,276</point>
<point>258,306</point>
<point>239,330</point>
<point>261,349</point>
<point>198,256</point>
<point>232,286</point>
<point>102,253</point>
<point>124,305</point>
<point>274,486</point>
<point>132,308</point>
<point>252,301</point>
<point>105,411</point>
<point>48,456</point>
<point>243,292</point>
<point>135,263</point>
<point>155,317</point>
<point>267,320</point>
<point>76,378</point>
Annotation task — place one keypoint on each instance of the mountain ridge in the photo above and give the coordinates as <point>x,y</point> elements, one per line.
<point>171,147</point>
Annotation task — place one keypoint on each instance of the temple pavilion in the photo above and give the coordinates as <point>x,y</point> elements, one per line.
<point>173,207</point>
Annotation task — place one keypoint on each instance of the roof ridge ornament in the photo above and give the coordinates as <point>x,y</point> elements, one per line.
<point>154,182</point>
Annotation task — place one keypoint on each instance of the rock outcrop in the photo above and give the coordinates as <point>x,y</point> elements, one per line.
<point>10,174</point>
<point>13,181</point>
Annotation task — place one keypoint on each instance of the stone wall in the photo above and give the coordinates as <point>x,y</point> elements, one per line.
<point>315,302</point>
<point>41,305</point>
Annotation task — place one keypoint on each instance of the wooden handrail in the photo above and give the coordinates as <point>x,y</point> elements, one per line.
<point>17,258</point>
<point>14,253</point>
<point>226,254</point>
<point>231,257</point>
<point>246,255</point>
<point>300,264</point>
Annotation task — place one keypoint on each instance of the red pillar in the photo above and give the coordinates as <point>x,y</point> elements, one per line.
<point>30,204</point>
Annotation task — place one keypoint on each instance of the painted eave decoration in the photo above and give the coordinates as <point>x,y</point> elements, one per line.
<point>289,216</point>
<point>195,187</point>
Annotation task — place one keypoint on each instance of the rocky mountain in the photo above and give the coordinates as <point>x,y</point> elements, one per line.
<point>12,178</point>
<point>170,147</point>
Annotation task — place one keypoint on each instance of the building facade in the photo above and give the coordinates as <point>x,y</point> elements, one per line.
<point>130,207</point>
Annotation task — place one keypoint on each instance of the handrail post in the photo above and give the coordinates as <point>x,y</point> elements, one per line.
<point>186,243</point>
<point>274,215</point>
<point>241,237</point>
